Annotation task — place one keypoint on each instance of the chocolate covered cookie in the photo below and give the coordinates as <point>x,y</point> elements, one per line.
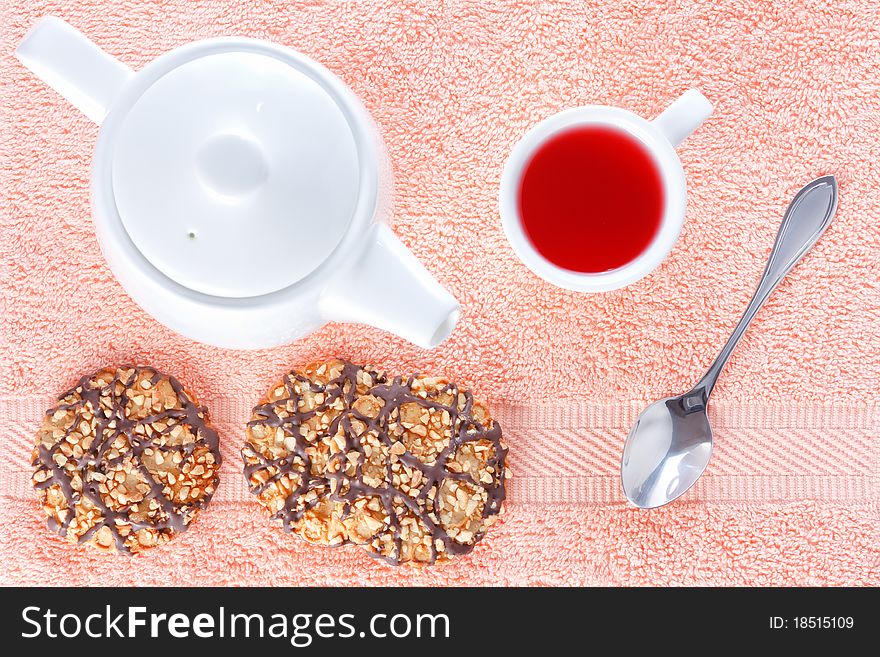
<point>411,469</point>
<point>125,461</point>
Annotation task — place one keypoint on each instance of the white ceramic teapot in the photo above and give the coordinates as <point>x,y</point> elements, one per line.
<point>239,192</point>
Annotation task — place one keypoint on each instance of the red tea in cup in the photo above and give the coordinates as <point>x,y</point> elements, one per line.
<point>591,199</point>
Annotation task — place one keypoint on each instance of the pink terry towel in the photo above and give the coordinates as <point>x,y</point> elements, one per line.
<point>791,496</point>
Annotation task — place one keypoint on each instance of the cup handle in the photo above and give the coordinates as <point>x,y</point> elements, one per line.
<point>683,116</point>
<point>73,66</point>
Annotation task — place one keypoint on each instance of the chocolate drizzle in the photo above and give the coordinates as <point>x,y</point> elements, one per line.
<point>283,413</point>
<point>105,409</point>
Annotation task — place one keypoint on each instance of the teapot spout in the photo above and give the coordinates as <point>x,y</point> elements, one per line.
<point>387,287</point>
<point>73,66</point>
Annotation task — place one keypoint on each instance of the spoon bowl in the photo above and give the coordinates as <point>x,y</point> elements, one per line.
<point>666,451</point>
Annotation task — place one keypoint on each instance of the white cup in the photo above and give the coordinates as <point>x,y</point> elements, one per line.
<point>659,139</point>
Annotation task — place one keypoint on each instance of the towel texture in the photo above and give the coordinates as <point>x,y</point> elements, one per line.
<point>792,495</point>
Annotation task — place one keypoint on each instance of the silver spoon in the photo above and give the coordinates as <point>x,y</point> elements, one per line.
<point>670,444</point>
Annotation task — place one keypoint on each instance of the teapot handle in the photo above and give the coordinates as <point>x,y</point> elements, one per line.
<point>73,66</point>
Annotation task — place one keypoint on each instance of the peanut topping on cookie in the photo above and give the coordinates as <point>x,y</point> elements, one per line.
<point>412,470</point>
<point>125,461</point>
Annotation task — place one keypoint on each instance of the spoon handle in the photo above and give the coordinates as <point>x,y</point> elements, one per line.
<point>805,220</point>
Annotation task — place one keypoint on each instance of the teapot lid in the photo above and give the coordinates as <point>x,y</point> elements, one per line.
<point>237,173</point>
